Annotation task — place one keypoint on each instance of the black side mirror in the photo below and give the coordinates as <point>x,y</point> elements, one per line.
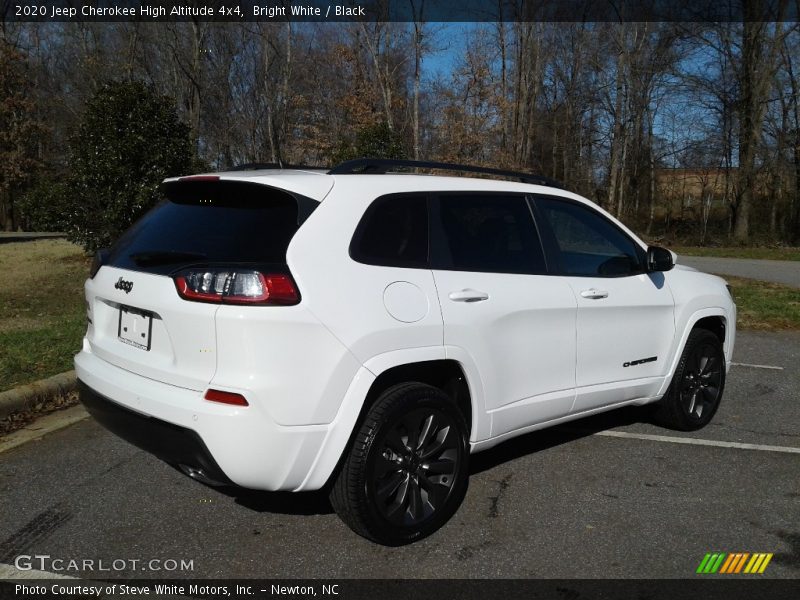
<point>659,259</point>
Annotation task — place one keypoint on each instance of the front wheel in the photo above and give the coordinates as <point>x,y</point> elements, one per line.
<point>694,395</point>
<point>406,472</point>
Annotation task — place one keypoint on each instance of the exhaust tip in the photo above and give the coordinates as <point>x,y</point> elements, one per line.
<point>199,475</point>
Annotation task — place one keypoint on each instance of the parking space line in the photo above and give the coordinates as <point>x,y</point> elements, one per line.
<point>697,442</point>
<point>751,366</point>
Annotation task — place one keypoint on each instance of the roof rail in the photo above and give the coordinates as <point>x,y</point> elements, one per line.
<point>278,165</point>
<point>380,166</point>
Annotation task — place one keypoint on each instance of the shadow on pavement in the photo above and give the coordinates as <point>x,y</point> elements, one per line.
<point>317,503</point>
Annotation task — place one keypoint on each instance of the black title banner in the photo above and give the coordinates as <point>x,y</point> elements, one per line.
<point>399,10</point>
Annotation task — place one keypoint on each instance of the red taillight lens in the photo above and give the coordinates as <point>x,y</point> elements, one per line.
<point>231,286</point>
<point>226,397</point>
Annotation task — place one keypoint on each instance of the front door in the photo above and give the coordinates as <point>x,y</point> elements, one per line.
<point>625,322</point>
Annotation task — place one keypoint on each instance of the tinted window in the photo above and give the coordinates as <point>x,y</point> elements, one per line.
<point>487,233</point>
<point>208,222</point>
<point>393,232</point>
<point>588,243</point>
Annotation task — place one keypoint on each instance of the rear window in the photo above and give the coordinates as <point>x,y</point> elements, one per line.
<point>201,222</point>
<point>393,233</point>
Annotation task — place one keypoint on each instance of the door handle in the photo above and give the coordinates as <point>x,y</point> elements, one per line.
<point>468,295</point>
<point>594,294</point>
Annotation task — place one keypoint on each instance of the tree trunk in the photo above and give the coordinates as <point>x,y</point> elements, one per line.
<point>615,167</point>
<point>418,36</point>
<point>759,53</point>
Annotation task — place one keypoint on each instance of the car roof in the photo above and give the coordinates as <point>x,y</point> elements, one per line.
<point>317,183</point>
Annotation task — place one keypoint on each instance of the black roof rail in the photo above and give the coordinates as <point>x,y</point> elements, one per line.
<point>380,166</point>
<point>256,166</point>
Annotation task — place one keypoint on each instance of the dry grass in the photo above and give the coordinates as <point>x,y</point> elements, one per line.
<point>765,306</point>
<point>42,309</point>
<point>18,420</point>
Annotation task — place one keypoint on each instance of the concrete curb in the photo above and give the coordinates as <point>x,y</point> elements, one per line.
<point>26,397</point>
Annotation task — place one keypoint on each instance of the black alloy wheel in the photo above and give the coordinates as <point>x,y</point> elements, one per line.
<point>406,471</point>
<point>697,385</point>
<point>702,381</point>
<point>415,466</point>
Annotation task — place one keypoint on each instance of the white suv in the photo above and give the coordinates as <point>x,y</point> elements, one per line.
<point>362,330</point>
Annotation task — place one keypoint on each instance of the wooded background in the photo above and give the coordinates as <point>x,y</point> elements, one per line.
<point>686,131</point>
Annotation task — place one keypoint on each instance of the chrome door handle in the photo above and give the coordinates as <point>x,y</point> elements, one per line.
<point>468,296</point>
<point>594,294</point>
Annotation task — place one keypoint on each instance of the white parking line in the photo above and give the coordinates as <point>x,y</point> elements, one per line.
<point>734,364</point>
<point>697,442</point>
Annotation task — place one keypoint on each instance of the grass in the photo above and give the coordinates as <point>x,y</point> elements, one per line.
<point>765,306</point>
<point>42,309</point>
<point>735,252</point>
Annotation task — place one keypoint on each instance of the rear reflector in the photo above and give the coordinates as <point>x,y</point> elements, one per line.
<point>226,397</point>
<point>228,286</point>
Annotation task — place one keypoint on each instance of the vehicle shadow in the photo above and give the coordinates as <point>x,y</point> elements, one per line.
<point>544,439</point>
<point>317,503</point>
<point>284,503</point>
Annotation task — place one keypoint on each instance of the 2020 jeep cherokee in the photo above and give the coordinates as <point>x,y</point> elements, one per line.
<point>281,329</point>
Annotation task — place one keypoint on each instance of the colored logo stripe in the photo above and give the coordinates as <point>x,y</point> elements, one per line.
<point>734,562</point>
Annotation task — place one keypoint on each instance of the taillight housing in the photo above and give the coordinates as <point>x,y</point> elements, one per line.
<point>229,285</point>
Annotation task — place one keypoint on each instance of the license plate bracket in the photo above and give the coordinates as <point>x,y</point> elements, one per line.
<point>135,327</point>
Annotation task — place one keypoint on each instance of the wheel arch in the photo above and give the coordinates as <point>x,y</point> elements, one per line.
<point>713,319</point>
<point>446,374</point>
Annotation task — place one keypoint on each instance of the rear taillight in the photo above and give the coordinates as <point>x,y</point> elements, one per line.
<point>236,286</point>
<point>226,398</point>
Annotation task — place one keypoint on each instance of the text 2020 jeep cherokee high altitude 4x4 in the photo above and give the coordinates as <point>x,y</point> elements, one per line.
<point>281,329</point>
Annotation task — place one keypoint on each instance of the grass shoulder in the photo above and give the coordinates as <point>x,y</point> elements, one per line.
<point>42,309</point>
<point>765,306</point>
<point>765,253</point>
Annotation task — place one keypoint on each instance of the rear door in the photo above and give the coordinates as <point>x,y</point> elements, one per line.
<point>625,320</point>
<point>137,319</point>
<point>501,309</point>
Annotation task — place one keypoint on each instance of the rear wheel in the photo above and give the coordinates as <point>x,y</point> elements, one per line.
<point>697,385</point>
<point>406,473</point>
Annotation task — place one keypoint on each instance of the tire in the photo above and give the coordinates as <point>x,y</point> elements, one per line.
<point>694,395</point>
<point>406,471</point>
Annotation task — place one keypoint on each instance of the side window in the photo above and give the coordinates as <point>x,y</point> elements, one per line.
<point>486,233</point>
<point>588,243</point>
<point>393,232</point>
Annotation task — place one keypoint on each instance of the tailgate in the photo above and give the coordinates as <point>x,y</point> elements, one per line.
<point>138,321</point>
<point>149,330</point>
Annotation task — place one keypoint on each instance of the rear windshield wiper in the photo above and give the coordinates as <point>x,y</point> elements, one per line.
<point>164,257</point>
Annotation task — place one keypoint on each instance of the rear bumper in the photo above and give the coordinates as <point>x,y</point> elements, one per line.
<point>173,444</point>
<point>239,445</point>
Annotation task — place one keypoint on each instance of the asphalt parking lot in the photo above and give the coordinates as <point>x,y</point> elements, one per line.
<point>597,498</point>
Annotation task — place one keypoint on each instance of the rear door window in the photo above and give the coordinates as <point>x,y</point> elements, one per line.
<point>489,233</point>
<point>210,222</point>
